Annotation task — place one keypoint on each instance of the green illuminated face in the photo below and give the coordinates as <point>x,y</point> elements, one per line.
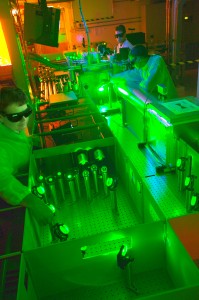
<point>132,59</point>
<point>138,61</point>
<point>14,108</point>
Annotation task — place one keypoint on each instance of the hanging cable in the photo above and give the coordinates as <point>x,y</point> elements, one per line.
<point>85,26</point>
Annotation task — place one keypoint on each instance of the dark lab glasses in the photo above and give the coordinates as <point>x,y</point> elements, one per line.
<point>119,35</point>
<point>18,116</point>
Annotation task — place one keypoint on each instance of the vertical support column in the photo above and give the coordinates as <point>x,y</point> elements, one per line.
<point>197,95</point>
<point>176,28</point>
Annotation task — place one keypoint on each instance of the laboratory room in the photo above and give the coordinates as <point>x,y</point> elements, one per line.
<point>99,150</point>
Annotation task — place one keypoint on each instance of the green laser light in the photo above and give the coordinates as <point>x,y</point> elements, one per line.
<point>193,200</point>
<point>101,89</point>
<point>41,190</point>
<point>52,208</point>
<point>64,229</point>
<point>124,251</point>
<point>123,91</point>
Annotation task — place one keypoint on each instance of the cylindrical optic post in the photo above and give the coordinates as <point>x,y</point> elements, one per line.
<point>49,87</point>
<point>104,171</point>
<point>94,171</point>
<point>50,180</point>
<point>77,182</point>
<point>54,87</point>
<point>45,90</point>
<point>112,185</point>
<point>71,185</point>
<point>86,177</point>
<point>60,181</point>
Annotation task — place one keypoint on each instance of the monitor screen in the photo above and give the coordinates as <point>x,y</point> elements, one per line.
<point>41,25</point>
<point>124,53</point>
<point>136,38</point>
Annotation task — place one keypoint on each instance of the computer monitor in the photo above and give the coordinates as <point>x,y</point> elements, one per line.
<point>124,53</point>
<point>136,38</point>
<point>41,24</point>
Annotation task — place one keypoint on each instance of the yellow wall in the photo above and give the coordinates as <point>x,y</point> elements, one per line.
<point>131,14</point>
<point>101,28</point>
<point>4,54</point>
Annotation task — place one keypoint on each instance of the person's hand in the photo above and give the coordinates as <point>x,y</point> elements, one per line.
<point>42,213</point>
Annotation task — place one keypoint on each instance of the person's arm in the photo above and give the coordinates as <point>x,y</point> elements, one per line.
<point>11,189</point>
<point>15,193</point>
<point>38,208</point>
<point>149,83</point>
<point>129,77</point>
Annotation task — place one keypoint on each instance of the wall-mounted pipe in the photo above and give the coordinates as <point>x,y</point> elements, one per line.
<point>168,30</point>
<point>176,28</point>
<point>86,29</point>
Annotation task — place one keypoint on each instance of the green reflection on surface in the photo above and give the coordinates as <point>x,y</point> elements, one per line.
<point>41,190</point>
<point>124,251</point>
<point>123,91</point>
<point>64,229</point>
<point>101,89</point>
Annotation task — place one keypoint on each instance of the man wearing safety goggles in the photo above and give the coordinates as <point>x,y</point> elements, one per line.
<point>149,72</point>
<point>15,149</point>
<point>120,35</point>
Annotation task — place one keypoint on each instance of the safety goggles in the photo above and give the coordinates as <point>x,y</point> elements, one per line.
<point>18,116</point>
<point>119,35</point>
